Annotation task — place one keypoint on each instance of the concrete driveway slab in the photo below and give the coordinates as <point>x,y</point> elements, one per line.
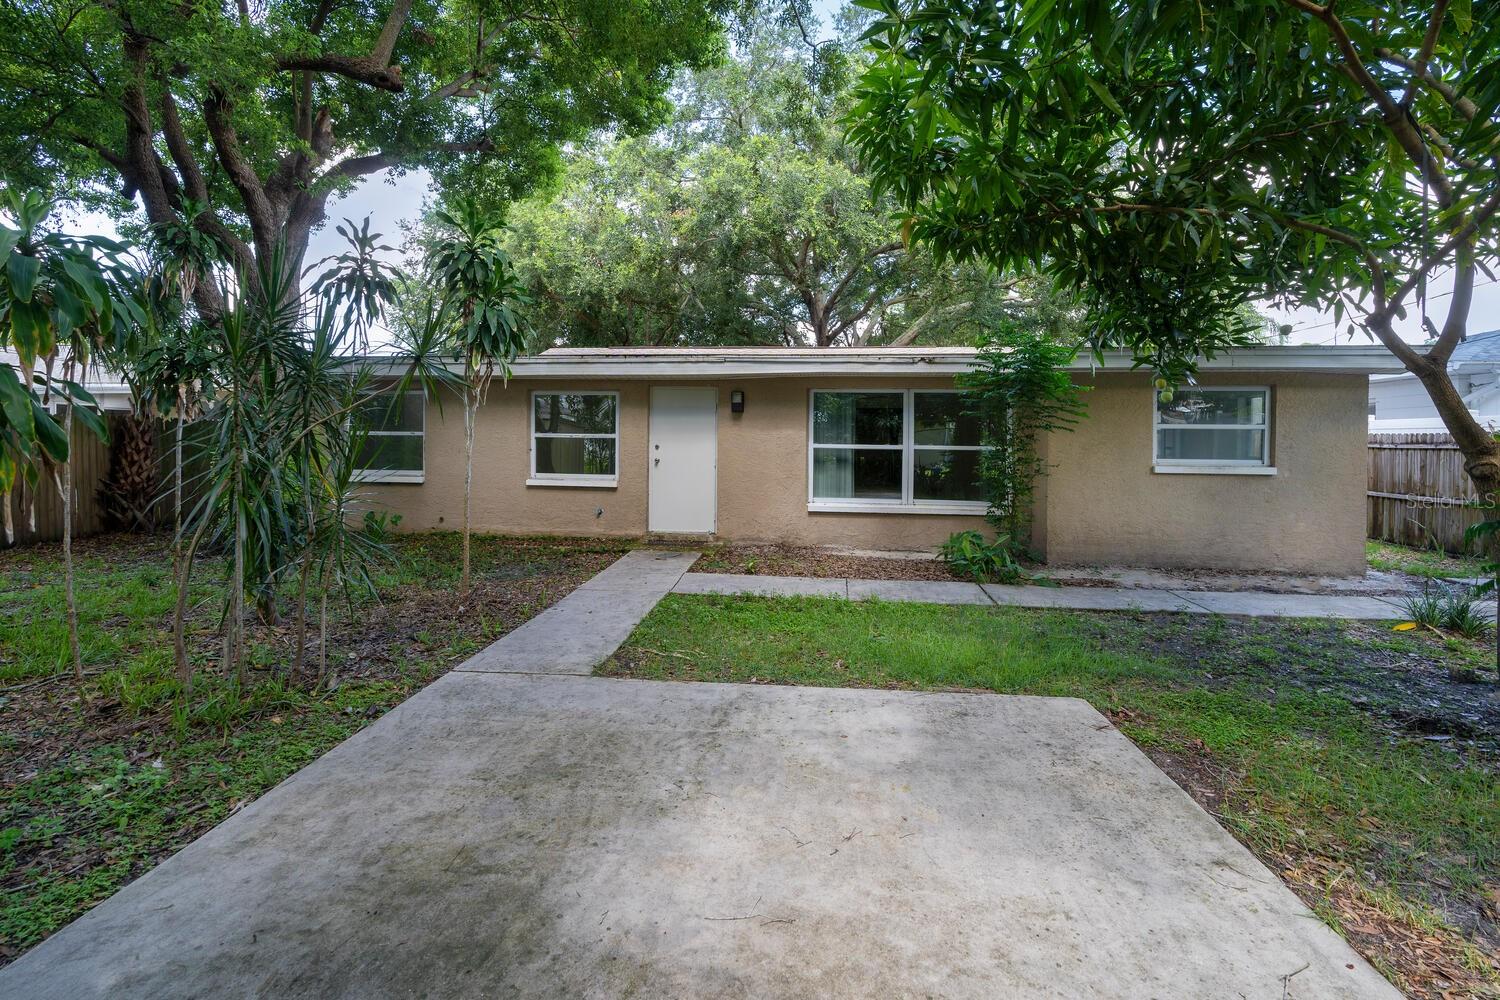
<point>643,569</point>
<point>761,586</point>
<point>572,637</point>
<point>543,836</point>
<point>580,631</point>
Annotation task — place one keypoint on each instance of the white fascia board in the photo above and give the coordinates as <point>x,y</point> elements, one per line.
<point>774,363</point>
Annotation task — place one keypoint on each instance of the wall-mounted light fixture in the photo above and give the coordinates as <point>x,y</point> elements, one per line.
<point>736,400</point>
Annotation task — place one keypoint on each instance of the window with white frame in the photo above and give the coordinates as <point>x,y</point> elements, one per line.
<point>1210,426</point>
<point>893,449</point>
<point>392,449</point>
<point>575,437</point>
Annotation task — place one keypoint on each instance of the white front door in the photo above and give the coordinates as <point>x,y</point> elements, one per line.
<point>684,457</point>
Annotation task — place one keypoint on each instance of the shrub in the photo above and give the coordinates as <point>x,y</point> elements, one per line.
<point>970,554</point>
<point>1461,613</point>
<point>1425,608</point>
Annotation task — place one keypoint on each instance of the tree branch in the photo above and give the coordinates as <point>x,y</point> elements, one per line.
<point>1446,91</point>
<point>178,147</point>
<point>374,69</point>
<point>1424,55</point>
<point>459,85</point>
<point>241,174</point>
<point>914,331</point>
<point>1478,218</point>
<point>1395,116</point>
<point>873,255</point>
<point>1457,322</point>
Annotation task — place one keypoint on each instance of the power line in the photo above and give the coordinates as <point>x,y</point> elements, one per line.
<point>1334,322</point>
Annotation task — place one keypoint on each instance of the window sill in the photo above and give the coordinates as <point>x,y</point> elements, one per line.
<point>855,507</point>
<point>375,476</point>
<point>1215,470</point>
<point>598,484</point>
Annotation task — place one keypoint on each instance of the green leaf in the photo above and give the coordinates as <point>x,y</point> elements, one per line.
<point>1101,92</point>
<point>15,407</point>
<point>1463,15</point>
<point>30,330</point>
<point>49,436</point>
<point>23,272</point>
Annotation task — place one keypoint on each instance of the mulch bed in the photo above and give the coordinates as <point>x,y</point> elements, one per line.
<point>1411,692</point>
<point>793,560</point>
<point>43,721</point>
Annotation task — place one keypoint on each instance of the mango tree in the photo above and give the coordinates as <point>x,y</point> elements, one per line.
<point>1175,160</point>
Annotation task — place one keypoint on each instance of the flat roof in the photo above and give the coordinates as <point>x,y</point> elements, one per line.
<point>769,362</point>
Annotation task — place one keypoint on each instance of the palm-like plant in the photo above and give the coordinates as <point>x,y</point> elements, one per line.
<point>476,279</point>
<point>282,438</point>
<point>61,298</point>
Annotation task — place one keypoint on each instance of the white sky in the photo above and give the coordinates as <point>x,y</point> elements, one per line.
<point>388,201</point>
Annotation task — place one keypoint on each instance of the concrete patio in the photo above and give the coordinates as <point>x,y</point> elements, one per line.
<point>555,836</point>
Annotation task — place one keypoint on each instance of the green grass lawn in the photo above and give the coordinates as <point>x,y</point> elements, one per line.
<point>1433,563</point>
<point>1289,731</point>
<point>97,788</point>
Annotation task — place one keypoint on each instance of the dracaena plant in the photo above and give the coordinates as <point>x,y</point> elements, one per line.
<point>475,278</point>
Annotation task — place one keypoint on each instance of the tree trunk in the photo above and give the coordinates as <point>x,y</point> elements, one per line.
<point>470,406</point>
<point>322,629</point>
<point>177,494</point>
<point>67,541</point>
<point>297,660</point>
<point>179,622</point>
<point>234,618</point>
<point>1480,449</point>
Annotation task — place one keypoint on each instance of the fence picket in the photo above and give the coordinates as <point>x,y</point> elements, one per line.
<point>1418,492</point>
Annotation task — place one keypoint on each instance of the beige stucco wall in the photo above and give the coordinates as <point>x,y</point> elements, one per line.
<point>502,502</point>
<point>762,460</point>
<point>1101,503</point>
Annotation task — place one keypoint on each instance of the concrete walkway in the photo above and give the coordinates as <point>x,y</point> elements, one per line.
<point>1084,598</point>
<point>580,631</point>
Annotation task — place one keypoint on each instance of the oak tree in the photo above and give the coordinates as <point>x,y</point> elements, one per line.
<point>243,118</point>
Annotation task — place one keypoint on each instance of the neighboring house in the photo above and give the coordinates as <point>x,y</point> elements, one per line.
<point>1260,466</point>
<point>1399,404</point>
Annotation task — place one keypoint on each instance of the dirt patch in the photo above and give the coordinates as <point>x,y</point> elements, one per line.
<point>1410,686</point>
<point>793,560</point>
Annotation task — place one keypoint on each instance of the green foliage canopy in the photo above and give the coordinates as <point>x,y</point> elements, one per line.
<point>748,219</point>
<point>258,112</point>
<point>1174,159</point>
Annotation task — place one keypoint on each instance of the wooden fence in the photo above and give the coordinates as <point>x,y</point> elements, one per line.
<point>90,466</point>
<point>1419,493</point>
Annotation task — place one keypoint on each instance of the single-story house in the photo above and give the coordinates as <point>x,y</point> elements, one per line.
<point>1399,404</point>
<point>1260,465</point>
